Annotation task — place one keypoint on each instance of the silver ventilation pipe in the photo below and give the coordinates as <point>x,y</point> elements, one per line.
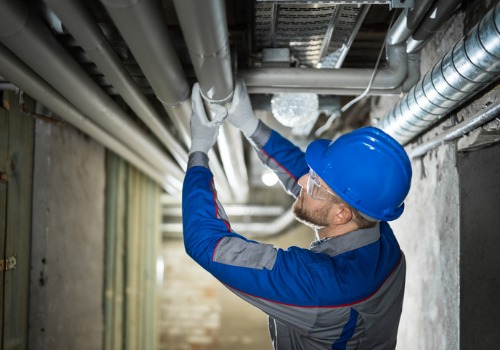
<point>204,26</point>
<point>27,80</point>
<point>78,19</point>
<point>32,42</point>
<point>472,65</point>
<point>141,24</point>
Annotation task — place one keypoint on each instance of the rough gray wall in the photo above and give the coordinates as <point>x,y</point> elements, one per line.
<point>67,243</point>
<point>429,231</point>
<point>479,241</point>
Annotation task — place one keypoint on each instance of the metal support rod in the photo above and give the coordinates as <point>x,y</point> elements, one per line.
<point>458,130</point>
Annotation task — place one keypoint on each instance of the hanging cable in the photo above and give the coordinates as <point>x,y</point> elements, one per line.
<point>353,101</point>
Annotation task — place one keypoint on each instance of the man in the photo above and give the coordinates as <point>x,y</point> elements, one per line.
<point>346,291</point>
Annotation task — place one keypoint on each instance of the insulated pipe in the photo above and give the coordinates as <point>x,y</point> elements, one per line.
<point>22,76</point>
<point>273,79</point>
<point>457,131</point>
<point>77,18</point>
<point>407,22</point>
<point>204,26</point>
<point>149,41</point>
<point>141,25</point>
<point>32,42</point>
<point>468,68</point>
<point>249,229</point>
<point>437,14</point>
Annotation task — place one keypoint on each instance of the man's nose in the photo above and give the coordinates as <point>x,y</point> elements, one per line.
<point>303,181</point>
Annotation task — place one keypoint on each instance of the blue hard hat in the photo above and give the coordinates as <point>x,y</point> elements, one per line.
<point>367,168</point>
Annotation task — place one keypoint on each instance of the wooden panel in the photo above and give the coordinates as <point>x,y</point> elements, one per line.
<point>19,171</point>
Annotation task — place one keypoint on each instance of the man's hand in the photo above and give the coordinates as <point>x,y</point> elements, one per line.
<point>240,113</point>
<point>204,132</point>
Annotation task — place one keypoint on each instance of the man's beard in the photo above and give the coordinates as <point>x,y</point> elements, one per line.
<point>317,218</point>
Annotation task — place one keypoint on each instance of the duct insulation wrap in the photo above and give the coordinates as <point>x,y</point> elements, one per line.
<point>472,65</point>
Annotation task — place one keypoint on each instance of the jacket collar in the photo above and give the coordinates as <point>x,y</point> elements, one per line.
<point>349,241</point>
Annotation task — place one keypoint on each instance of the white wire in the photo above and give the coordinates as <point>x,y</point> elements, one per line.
<point>353,101</point>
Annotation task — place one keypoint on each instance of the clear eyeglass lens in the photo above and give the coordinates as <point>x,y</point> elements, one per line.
<point>314,189</point>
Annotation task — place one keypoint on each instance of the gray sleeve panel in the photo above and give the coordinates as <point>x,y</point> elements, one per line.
<point>238,252</point>
<point>289,183</point>
<point>258,139</point>
<point>261,135</point>
<point>198,159</point>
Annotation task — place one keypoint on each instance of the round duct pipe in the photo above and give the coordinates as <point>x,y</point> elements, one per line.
<point>472,65</point>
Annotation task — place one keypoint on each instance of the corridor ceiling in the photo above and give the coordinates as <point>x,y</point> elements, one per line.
<point>128,66</point>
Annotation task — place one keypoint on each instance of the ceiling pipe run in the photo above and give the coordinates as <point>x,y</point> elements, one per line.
<point>273,80</point>
<point>204,26</point>
<point>255,229</point>
<point>77,18</point>
<point>457,131</point>
<point>468,68</point>
<point>440,12</point>
<point>27,37</point>
<point>27,80</point>
<point>149,41</point>
<point>407,22</point>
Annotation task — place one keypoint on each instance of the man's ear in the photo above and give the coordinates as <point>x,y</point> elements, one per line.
<point>342,214</point>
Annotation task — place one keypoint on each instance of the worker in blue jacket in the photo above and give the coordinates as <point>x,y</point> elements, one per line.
<point>346,291</point>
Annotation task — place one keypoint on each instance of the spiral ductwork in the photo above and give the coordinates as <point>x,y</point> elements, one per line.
<point>472,65</point>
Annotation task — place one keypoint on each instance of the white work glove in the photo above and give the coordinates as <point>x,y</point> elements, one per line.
<point>240,113</point>
<point>204,132</point>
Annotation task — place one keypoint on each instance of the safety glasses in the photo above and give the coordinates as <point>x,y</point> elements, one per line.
<point>316,191</point>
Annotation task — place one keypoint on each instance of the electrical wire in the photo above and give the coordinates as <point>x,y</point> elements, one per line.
<point>355,100</point>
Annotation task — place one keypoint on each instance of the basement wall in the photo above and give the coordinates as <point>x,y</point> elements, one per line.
<point>438,218</point>
<point>66,309</point>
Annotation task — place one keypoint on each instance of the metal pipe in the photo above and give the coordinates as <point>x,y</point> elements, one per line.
<point>254,229</point>
<point>78,19</point>
<point>271,79</point>
<point>408,22</point>
<point>458,130</point>
<point>204,26</point>
<point>417,13</point>
<point>438,13</point>
<point>27,80</point>
<point>413,72</point>
<point>160,64</point>
<point>468,68</point>
<point>156,56</point>
<point>31,41</point>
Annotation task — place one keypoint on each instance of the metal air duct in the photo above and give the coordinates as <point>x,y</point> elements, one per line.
<point>473,64</point>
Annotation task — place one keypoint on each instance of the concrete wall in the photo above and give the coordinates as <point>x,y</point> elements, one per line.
<point>431,230</point>
<point>479,242</point>
<point>68,239</point>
